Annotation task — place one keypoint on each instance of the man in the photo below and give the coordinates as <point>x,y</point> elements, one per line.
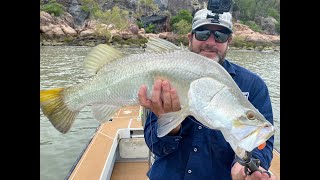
<point>191,151</point>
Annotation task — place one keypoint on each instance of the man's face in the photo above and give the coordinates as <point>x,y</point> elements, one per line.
<point>210,47</point>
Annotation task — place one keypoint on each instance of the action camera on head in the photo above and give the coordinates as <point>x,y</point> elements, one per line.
<point>219,6</point>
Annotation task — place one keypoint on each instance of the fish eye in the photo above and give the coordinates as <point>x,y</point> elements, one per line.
<point>251,115</point>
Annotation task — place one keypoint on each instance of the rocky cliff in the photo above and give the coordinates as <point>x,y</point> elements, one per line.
<point>74,27</point>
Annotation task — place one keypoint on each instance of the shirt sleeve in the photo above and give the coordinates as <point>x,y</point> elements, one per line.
<point>159,146</point>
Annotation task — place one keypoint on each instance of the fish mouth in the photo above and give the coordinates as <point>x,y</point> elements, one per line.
<point>252,136</point>
<point>261,129</point>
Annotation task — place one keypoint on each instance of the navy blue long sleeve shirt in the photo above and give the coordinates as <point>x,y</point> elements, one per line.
<point>197,152</point>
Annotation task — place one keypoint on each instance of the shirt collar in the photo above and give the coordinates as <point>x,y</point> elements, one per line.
<point>229,67</point>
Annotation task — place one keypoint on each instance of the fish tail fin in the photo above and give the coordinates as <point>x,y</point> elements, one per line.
<point>56,110</point>
<point>169,121</point>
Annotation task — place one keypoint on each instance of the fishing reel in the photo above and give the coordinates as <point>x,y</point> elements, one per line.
<point>250,164</point>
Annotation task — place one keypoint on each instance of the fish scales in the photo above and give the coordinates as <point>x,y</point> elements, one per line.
<point>180,67</point>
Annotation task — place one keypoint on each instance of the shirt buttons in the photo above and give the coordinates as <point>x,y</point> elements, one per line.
<point>200,127</point>
<point>189,171</point>
<point>195,149</point>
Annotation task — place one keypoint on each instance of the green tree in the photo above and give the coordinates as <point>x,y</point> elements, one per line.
<point>181,23</point>
<point>182,27</point>
<point>90,6</point>
<point>250,9</point>
<point>52,7</point>
<point>116,16</point>
<point>145,7</point>
<point>182,14</point>
<point>150,28</point>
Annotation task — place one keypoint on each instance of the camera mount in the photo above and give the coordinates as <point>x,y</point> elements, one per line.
<point>218,7</point>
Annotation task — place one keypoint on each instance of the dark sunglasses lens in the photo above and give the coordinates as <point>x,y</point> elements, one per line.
<point>220,37</point>
<point>202,35</point>
<point>205,34</point>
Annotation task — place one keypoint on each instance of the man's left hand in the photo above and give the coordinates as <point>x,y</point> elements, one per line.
<point>237,173</point>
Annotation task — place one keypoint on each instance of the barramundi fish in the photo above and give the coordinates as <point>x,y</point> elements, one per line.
<point>205,89</point>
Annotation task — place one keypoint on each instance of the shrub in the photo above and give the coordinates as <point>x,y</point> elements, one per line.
<point>238,41</point>
<point>89,6</point>
<point>181,23</point>
<point>182,14</point>
<point>183,39</point>
<point>150,28</point>
<point>140,24</point>
<point>52,8</point>
<point>148,5</point>
<point>182,27</point>
<point>116,16</point>
<point>253,26</point>
<point>101,31</point>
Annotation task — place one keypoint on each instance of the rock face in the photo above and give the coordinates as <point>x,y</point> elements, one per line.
<point>174,6</point>
<point>161,22</point>
<point>245,32</point>
<point>56,27</point>
<point>61,28</point>
<point>74,24</point>
<point>79,15</point>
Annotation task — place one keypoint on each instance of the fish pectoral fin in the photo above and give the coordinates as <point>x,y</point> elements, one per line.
<point>201,95</point>
<point>103,112</point>
<point>169,121</point>
<point>202,91</point>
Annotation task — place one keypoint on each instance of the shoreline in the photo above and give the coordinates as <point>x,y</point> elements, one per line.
<point>123,44</point>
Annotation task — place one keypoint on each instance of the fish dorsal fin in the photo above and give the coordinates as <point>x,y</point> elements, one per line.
<point>99,56</point>
<point>155,44</point>
<point>183,47</point>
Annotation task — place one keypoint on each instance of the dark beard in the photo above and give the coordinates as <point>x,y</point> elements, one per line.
<point>221,58</point>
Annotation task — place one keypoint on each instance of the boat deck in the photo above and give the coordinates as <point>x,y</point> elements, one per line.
<point>91,164</point>
<point>130,170</point>
<point>98,157</point>
<point>275,164</point>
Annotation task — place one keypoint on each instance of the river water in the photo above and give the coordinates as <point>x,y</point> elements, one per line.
<point>61,66</point>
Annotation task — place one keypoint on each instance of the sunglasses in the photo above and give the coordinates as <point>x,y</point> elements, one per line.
<point>203,35</point>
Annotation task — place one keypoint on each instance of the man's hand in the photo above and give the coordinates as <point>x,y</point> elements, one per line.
<point>164,99</point>
<point>237,173</point>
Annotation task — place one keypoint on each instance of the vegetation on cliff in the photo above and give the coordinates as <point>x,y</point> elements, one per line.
<point>253,13</point>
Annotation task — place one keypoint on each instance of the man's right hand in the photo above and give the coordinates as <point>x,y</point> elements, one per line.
<point>164,99</point>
